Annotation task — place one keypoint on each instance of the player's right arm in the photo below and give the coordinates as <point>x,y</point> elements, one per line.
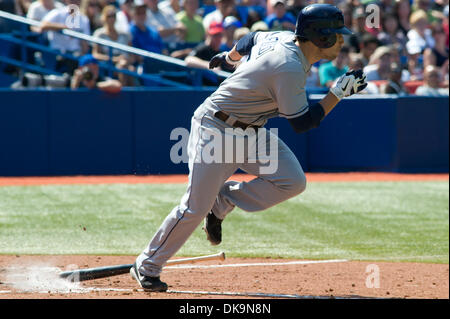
<point>240,49</point>
<point>350,83</point>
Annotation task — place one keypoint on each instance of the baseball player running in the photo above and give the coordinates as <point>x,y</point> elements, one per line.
<point>270,83</point>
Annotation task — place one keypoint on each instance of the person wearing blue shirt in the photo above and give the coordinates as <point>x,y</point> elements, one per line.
<point>330,71</point>
<point>143,36</point>
<point>280,19</point>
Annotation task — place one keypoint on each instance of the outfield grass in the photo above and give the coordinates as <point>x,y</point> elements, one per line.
<point>391,221</point>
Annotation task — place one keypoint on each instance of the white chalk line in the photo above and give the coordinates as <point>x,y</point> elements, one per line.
<point>214,293</point>
<point>81,290</point>
<point>287,263</point>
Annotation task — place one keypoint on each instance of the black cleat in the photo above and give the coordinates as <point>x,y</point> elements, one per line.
<point>146,282</point>
<point>213,229</point>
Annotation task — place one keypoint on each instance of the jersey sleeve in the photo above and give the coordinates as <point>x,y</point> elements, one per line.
<point>290,94</point>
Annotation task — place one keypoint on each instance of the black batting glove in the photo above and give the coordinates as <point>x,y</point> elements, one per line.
<point>222,59</point>
<point>217,60</point>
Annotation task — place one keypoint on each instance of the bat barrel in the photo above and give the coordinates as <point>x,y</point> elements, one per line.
<point>109,271</point>
<point>95,273</point>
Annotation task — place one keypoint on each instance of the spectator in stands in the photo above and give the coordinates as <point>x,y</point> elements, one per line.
<point>240,33</point>
<point>123,16</point>
<point>414,65</point>
<point>420,35</point>
<point>230,24</point>
<point>195,32</point>
<point>259,26</point>
<point>260,3</point>
<point>252,18</point>
<point>313,79</point>
<point>437,55</point>
<point>394,84</point>
<point>368,45</point>
<point>445,70</point>
<point>356,63</point>
<point>170,5</point>
<point>87,75</point>
<point>280,19</point>
<point>330,71</point>
<point>386,6</point>
<point>379,67</point>
<point>120,59</point>
<point>432,79</point>
<point>425,5</point>
<point>144,36</point>
<point>358,27</point>
<point>295,6</point>
<point>445,24</point>
<point>347,11</point>
<point>397,52</point>
<point>170,29</point>
<point>224,8</point>
<point>22,7</point>
<point>203,53</point>
<point>39,8</point>
<point>56,20</point>
<point>92,9</point>
<point>402,10</point>
<point>391,34</point>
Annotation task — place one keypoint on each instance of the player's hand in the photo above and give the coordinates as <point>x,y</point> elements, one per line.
<point>348,84</point>
<point>220,59</point>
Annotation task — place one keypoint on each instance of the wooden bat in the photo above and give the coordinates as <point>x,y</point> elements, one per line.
<point>109,271</point>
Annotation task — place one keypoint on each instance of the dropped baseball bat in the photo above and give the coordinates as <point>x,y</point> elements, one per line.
<point>109,271</point>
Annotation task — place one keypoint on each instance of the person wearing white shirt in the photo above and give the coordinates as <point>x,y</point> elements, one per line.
<point>60,19</point>
<point>420,35</point>
<point>39,8</point>
<point>123,16</point>
<point>172,6</point>
<point>170,29</point>
<point>224,8</point>
<point>432,80</point>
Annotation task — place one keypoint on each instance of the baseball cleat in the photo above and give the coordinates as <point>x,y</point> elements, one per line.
<point>146,282</point>
<point>213,229</point>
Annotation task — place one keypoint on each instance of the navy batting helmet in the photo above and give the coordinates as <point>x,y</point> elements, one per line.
<point>319,24</point>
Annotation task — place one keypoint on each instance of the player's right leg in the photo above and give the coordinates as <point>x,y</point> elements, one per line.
<point>205,181</point>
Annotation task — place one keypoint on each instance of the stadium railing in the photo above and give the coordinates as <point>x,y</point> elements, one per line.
<point>168,68</point>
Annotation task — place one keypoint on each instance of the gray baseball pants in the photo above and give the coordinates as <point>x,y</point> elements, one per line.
<point>208,188</point>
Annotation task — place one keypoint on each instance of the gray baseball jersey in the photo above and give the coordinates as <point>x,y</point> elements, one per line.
<point>270,83</point>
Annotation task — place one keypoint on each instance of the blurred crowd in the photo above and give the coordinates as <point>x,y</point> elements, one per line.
<point>403,47</point>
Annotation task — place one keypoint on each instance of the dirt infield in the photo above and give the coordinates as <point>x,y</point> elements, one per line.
<point>232,278</point>
<point>36,276</point>
<point>178,179</point>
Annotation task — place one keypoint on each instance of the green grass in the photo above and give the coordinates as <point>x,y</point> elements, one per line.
<point>391,221</point>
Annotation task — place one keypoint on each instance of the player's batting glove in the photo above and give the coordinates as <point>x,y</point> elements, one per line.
<point>221,58</point>
<point>350,83</point>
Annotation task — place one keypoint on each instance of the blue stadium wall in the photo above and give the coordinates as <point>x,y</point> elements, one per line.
<point>44,133</point>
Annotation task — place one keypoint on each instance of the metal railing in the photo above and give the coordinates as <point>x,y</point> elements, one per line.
<point>194,74</point>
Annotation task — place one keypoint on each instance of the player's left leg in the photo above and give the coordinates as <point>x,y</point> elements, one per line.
<point>270,187</point>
